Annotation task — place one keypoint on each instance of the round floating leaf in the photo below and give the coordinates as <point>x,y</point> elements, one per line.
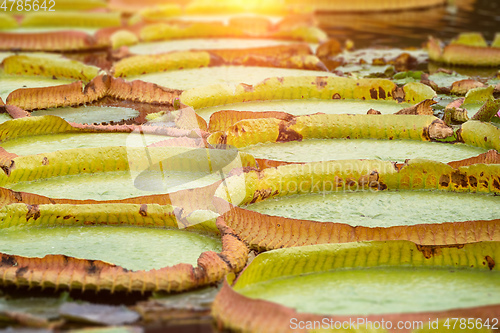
<point>462,53</point>
<point>205,44</point>
<point>231,76</point>
<point>71,19</point>
<point>370,281</point>
<point>345,179</point>
<point>127,247</point>
<point>49,67</point>
<point>90,114</point>
<point>58,271</point>
<point>320,87</point>
<point>223,116</point>
<point>113,173</point>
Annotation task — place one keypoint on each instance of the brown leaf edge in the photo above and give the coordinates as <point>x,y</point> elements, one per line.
<point>63,272</point>
<point>77,93</point>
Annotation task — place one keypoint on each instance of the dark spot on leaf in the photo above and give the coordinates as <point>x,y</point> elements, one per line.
<point>321,82</point>
<point>373,93</point>
<point>8,261</point>
<point>45,161</point>
<point>472,181</point>
<point>490,261</point>
<point>7,168</point>
<point>20,271</point>
<point>261,194</point>
<point>481,174</point>
<point>222,139</point>
<point>336,96</point>
<point>398,94</point>
<point>485,139</point>
<point>92,268</point>
<point>496,184</point>
<point>67,217</point>
<point>143,210</point>
<point>432,250</point>
<point>226,260</point>
<point>459,179</point>
<point>382,186</point>
<point>286,134</point>
<point>17,195</point>
<point>33,212</point>
<point>381,93</point>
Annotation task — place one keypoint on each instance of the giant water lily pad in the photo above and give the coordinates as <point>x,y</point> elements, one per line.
<point>33,135</point>
<point>203,44</point>
<point>468,49</point>
<point>282,206</point>
<point>61,271</point>
<point>10,83</point>
<point>48,143</point>
<point>4,117</point>
<point>309,106</point>
<point>225,75</point>
<point>112,173</point>
<point>313,150</point>
<point>306,87</point>
<point>90,114</point>
<point>327,137</point>
<point>123,246</point>
<point>382,209</point>
<point>369,281</point>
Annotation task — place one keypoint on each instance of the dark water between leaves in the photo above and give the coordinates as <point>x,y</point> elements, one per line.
<point>412,28</point>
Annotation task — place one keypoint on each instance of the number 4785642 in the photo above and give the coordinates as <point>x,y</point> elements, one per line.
<point>28,5</point>
<point>471,323</point>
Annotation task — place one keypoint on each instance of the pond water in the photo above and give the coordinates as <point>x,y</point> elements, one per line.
<point>411,28</point>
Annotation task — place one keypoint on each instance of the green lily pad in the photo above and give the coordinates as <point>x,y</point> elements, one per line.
<point>388,281</point>
<point>445,79</point>
<point>31,30</point>
<point>383,209</point>
<point>310,106</point>
<point>89,114</point>
<point>311,150</point>
<point>115,185</point>
<point>380,290</point>
<point>203,44</point>
<point>4,117</point>
<point>52,142</point>
<point>125,246</point>
<point>9,83</point>
<point>228,75</point>
<point>113,173</point>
